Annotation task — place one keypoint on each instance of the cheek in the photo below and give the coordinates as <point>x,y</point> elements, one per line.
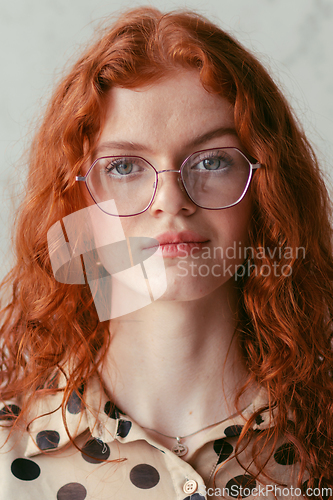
<point>234,223</point>
<point>87,199</point>
<point>232,227</point>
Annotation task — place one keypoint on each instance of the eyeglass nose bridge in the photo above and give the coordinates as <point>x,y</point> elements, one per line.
<point>167,170</point>
<point>161,171</point>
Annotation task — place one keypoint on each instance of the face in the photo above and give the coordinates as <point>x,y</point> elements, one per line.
<point>164,123</point>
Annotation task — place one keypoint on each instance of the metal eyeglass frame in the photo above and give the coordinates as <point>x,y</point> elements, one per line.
<point>254,166</point>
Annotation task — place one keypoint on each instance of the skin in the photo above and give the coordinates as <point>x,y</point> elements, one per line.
<point>174,365</point>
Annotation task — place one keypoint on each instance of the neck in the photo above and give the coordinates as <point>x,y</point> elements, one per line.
<point>175,366</point>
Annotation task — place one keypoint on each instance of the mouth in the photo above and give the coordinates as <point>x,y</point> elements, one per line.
<point>173,244</point>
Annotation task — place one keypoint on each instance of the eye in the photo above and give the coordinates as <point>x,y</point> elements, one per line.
<point>121,167</point>
<point>212,161</point>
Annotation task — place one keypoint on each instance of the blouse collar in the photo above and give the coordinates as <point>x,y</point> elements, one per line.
<point>49,431</point>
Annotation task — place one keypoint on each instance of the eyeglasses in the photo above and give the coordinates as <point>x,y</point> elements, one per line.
<point>213,179</point>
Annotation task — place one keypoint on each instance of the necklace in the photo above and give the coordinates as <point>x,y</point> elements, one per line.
<point>180,449</point>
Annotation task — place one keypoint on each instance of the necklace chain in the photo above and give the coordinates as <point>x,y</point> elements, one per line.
<point>187,435</point>
<point>180,449</point>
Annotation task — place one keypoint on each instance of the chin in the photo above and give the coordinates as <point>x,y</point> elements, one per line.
<point>191,288</point>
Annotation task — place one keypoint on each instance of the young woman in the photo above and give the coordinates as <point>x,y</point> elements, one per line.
<point>168,333</point>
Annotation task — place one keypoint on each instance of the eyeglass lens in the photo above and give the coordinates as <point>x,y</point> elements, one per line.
<point>213,179</point>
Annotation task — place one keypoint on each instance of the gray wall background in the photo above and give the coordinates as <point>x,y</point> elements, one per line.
<point>292,38</point>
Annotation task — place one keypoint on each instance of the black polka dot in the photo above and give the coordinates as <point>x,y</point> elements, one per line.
<point>9,412</point>
<point>259,420</point>
<point>47,440</point>
<point>25,469</point>
<point>223,449</point>
<point>286,454</point>
<point>196,496</point>
<point>144,476</point>
<point>95,451</point>
<point>111,410</point>
<point>241,486</point>
<point>324,489</point>
<point>124,427</point>
<point>233,430</point>
<point>72,491</point>
<point>74,404</point>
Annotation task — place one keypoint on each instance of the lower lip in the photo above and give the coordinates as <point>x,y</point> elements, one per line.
<point>180,249</point>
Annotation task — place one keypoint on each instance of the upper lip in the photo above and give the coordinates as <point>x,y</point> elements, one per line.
<point>172,237</point>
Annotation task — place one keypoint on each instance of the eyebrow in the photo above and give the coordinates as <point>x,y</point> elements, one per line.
<point>137,147</point>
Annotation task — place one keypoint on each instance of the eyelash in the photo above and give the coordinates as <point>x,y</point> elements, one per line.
<point>216,155</point>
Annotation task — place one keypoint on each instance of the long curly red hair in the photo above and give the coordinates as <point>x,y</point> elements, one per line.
<point>285,321</point>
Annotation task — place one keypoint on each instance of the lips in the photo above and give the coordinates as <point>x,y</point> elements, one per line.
<point>173,244</point>
<point>182,237</point>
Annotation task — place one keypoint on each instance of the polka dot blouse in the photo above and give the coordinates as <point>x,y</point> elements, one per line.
<point>115,459</point>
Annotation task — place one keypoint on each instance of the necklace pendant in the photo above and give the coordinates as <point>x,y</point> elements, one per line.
<point>179,449</point>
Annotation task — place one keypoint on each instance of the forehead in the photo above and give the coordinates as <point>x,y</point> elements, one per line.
<point>175,110</point>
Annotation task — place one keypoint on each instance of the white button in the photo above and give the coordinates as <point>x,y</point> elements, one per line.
<point>190,486</point>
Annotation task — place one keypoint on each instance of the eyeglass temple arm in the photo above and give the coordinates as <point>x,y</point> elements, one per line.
<point>80,178</point>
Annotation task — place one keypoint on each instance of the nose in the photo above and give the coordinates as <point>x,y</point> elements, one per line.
<point>170,196</point>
